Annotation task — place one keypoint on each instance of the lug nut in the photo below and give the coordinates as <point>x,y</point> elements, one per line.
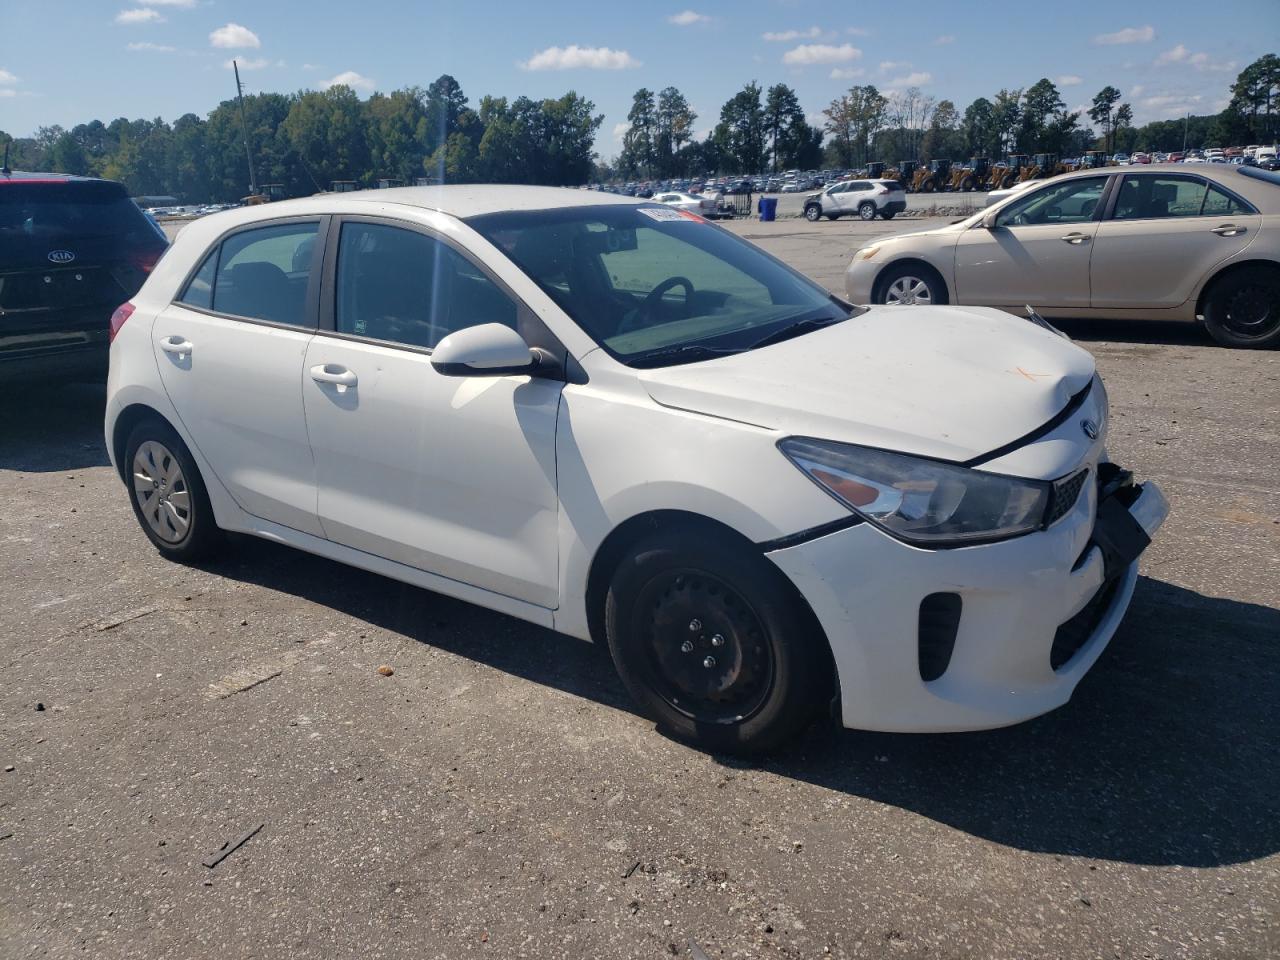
<point>686,647</point>
<point>695,625</point>
<point>717,640</point>
<point>709,662</point>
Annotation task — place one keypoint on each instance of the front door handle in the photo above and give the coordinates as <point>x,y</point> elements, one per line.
<point>1076,238</point>
<point>177,345</point>
<point>1228,230</point>
<point>334,373</point>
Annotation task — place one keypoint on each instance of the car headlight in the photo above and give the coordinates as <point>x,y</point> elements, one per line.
<point>866,253</point>
<point>924,502</point>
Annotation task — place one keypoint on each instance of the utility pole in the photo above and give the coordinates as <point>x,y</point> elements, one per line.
<point>1186,123</point>
<point>244,130</point>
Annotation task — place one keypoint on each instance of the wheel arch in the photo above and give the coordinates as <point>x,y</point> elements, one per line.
<point>125,421</point>
<point>633,529</point>
<point>877,288</point>
<point>1227,270</point>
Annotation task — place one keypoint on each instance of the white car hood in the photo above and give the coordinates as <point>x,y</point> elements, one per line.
<point>946,382</point>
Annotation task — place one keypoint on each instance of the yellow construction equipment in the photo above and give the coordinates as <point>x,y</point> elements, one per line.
<point>970,178</point>
<point>931,179</point>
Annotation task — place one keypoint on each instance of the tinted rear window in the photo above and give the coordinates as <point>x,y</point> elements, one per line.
<point>90,219</point>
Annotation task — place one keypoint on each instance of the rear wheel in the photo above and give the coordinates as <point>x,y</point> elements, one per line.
<point>812,213</point>
<point>888,214</point>
<point>910,285</point>
<point>1243,308</point>
<point>867,210</point>
<point>833,216</point>
<point>713,643</point>
<point>168,494</point>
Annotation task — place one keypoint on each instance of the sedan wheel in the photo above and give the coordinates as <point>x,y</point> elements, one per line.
<point>161,492</point>
<point>908,291</point>
<point>1243,309</point>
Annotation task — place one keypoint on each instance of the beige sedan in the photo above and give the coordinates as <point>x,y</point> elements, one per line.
<point>1162,242</point>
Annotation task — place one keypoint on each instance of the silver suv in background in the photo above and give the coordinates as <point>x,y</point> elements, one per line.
<point>865,199</point>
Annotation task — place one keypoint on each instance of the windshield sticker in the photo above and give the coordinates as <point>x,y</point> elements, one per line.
<point>669,214</point>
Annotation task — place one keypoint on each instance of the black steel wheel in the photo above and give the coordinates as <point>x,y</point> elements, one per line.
<point>714,644</point>
<point>1242,309</point>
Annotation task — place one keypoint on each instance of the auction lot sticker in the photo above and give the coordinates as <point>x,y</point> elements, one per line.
<point>669,214</point>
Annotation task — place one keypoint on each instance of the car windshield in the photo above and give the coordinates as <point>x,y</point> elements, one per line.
<point>656,286</point>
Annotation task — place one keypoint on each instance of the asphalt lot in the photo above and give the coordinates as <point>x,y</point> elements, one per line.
<point>498,797</point>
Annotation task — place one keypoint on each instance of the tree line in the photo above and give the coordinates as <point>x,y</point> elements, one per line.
<point>306,140</point>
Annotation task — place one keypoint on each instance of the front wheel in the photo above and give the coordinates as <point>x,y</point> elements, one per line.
<point>911,286</point>
<point>867,210</point>
<point>812,213</point>
<point>714,644</point>
<point>168,494</point>
<point>1243,308</point>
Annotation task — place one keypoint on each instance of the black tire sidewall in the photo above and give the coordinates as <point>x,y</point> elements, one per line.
<point>812,213</point>
<point>799,658</point>
<point>864,207</point>
<point>203,535</point>
<point>1220,294</point>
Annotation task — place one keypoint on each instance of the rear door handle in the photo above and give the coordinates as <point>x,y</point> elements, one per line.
<point>1229,230</point>
<point>334,373</point>
<point>1076,238</point>
<point>177,345</point>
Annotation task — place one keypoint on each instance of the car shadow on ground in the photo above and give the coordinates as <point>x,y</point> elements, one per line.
<point>1164,756</point>
<point>1136,331</point>
<point>49,429</point>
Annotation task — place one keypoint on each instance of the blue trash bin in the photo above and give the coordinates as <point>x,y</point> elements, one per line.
<point>768,208</point>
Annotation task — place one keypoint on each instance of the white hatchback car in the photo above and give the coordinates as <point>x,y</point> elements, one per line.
<point>619,421</point>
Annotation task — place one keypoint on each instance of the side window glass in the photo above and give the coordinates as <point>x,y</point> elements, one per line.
<point>1071,202</point>
<point>1154,197</point>
<point>263,273</point>
<point>199,292</point>
<point>1219,204</point>
<point>405,287</point>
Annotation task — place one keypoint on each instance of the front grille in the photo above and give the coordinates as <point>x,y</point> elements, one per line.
<point>1065,494</point>
<point>1075,633</point>
<point>939,621</point>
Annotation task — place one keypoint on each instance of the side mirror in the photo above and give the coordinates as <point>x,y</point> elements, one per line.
<point>989,220</point>
<point>489,350</point>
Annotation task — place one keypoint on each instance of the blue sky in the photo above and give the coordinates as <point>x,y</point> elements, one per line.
<point>68,61</point>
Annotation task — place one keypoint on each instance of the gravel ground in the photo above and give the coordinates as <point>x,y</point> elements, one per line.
<point>498,797</point>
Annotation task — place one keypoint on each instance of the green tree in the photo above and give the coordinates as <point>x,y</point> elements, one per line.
<point>853,119</point>
<point>67,156</point>
<point>978,126</point>
<point>397,129</point>
<point>1255,95</point>
<point>327,130</point>
<point>672,129</point>
<point>1103,112</point>
<point>1007,114</point>
<point>639,148</point>
<point>742,129</point>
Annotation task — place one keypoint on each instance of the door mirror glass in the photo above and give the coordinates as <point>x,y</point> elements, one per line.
<point>490,349</point>
<point>989,221</point>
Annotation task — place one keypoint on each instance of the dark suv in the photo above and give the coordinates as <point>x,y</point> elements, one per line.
<point>72,249</point>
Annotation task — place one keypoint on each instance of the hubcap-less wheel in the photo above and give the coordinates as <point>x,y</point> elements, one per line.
<point>908,291</point>
<point>161,491</point>
<point>707,651</point>
<point>1252,311</point>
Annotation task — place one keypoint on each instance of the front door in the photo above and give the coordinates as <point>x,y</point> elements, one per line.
<point>1036,253</point>
<point>230,354</point>
<point>1166,233</point>
<point>453,475</point>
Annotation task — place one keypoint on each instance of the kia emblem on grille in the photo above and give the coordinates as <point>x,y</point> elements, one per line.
<point>61,256</point>
<point>1090,429</point>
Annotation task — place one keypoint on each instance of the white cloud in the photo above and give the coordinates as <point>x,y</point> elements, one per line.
<point>808,53</point>
<point>309,66</point>
<point>153,47</point>
<point>7,92</point>
<point>1127,35</point>
<point>232,36</point>
<point>846,73</point>
<point>139,15</point>
<point>1176,55</point>
<point>687,18</point>
<point>887,65</point>
<point>1136,90</point>
<point>1202,62</point>
<point>248,63</point>
<point>943,40</point>
<point>620,130</point>
<point>7,78</point>
<point>1069,80</point>
<point>917,79</point>
<point>349,78</point>
<point>574,57</point>
<point>786,36</point>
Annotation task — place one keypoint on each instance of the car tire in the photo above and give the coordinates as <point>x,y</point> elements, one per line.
<point>168,494</point>
<point>714,644</point>
<point>813,213</point>
<point>889,214</point>
<point>909,284</point>
<point>867,210</point>
<point>1242,309</point>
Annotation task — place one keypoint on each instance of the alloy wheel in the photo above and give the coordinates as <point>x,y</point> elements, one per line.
<point>908,291</point>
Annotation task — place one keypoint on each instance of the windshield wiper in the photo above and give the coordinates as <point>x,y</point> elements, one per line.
<point>688,353</point>
<point>795,329</point>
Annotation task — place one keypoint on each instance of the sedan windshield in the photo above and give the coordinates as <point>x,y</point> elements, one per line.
<point>658,286</point>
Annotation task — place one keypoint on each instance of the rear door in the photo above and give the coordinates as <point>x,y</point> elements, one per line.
<point>1166,232</point>
<point>230,352</point>
<point>71,251</point>
<point>1037,252</point>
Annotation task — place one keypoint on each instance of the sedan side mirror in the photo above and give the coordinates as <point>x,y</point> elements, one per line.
<point>989,220</point>
<point>487,350</point>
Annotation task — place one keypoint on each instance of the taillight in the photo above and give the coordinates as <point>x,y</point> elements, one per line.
<point>145,260</point>
<point>122,313</point>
